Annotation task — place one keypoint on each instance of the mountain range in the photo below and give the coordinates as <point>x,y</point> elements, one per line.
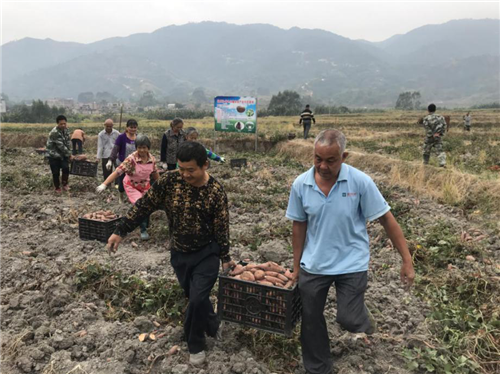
<point>454,64</point>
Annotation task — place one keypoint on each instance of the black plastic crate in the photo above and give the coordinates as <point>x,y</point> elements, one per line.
<point>84,168</point>
<point>267,308</point>
<point>238,162</point>
<point>90,229</point>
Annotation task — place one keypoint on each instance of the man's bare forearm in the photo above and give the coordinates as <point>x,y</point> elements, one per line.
<point>396,235</point>
<point>299,230</point>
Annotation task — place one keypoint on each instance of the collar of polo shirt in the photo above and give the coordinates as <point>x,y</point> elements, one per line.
<point>343,175</point>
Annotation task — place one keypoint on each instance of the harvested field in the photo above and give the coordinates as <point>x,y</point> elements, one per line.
<point>67,306</point>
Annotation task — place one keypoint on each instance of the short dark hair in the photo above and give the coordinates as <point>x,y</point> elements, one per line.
<point>192,151</point>
<point>431,108</point>
<point>61,118</point>
<point>142,140</point>
<point>132,122</point>
<point>175,122</point>
<point>307,105</point>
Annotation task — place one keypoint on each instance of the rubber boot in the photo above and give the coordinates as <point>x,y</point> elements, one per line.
<point>426,159</point>
<point>121,197</point>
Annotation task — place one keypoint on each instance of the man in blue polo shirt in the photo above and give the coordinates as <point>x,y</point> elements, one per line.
<point>329,205</point>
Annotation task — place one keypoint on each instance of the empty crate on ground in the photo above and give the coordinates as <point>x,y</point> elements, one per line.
<point>238,162</point>
<point>81,166</point>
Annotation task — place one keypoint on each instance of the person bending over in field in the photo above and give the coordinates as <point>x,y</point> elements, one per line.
<point>435,126</point>
<point>172,139</point>
<point>137,168</point>
<point>329,205</point>
<point>198,217</point>
<point>59,153</point>
<point>192,136</point>
<point>124,147</point>
<point>77,139</point>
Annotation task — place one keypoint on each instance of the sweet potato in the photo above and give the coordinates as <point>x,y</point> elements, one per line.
<point>288,274</point>
<point>265,266</point>
<point>265,283</point>
<point>273,280</point>
<point>251,266</point>
<point>259,274</point>
<point>248,276</point>
<point>282,277</point>
<point>272,266</point>
<point>277,268</point>
<point>271,273</point>
<point>237,270</point>
<point>289,284</point>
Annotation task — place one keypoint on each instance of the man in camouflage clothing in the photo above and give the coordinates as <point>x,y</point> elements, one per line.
<point>59,153</point>
<point>435,126</point>
<point>467,121</point>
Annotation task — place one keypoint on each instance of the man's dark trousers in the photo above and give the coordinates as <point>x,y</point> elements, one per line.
<point>105,172</point>
<point>197,273</point>
<point>56,165</point>
<point>307,127</point>
<point>351,314</point>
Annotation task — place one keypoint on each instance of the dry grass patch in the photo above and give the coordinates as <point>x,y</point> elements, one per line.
<point>448,186</point>
<point>300,149</point>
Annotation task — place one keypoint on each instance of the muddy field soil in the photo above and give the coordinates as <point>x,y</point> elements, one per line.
<point>50,324</point>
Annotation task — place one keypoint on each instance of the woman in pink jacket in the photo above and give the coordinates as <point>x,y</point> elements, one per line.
<point>138,168</point>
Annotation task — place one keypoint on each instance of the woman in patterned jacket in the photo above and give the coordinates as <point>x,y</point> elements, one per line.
<point>138,168</point>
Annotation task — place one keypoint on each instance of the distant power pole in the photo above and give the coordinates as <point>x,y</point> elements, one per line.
<point>120,125</point>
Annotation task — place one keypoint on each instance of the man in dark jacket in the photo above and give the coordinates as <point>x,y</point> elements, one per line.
<point>305,119</point>
<point>59,153</point>
<point>198,216</point>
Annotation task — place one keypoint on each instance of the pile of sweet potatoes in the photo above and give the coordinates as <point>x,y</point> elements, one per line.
<point>269,274</point>
<point>80,158</point>
<point>101,215</point>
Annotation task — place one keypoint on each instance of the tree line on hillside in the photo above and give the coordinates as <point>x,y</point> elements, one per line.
<point>286,103</point>
<point>37,112</point>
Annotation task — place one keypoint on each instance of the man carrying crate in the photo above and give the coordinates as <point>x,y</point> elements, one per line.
<point>329,205</point>
<point>198,216</point>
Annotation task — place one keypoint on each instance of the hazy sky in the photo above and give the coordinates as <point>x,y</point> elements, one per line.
<point>88,21</point>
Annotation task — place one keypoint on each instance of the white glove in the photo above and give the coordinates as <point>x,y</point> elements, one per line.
<point>101,188</point>
<point>222,160</point>
<point>109,165</point>
<point>164,166</point>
